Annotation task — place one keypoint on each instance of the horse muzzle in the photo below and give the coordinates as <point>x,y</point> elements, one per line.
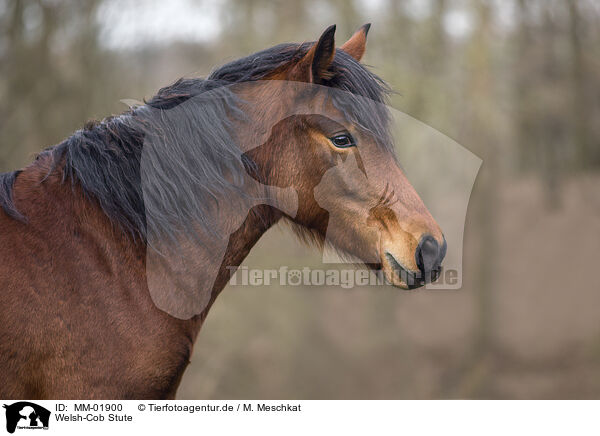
<point>428,258</point>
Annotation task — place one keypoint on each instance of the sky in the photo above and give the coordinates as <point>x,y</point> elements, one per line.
<point>130,24</point>
<point>134,23</point>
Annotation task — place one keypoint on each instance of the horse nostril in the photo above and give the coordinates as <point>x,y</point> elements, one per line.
<point>429,257</point>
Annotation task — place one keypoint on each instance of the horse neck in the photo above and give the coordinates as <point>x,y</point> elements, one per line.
<point>257,222</point>
<point>61,211</point>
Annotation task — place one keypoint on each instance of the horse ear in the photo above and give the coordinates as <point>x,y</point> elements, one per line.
<point>356,45</point>
<point>314,66</point>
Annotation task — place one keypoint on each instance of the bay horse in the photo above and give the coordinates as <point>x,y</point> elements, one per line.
<point>78,318</point>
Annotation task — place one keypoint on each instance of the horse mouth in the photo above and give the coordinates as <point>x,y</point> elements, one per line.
<point>404,278</point>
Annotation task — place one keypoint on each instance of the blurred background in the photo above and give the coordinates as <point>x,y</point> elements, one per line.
<point>517,82</point>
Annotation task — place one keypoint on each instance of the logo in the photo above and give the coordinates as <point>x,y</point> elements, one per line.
<point>26,415</point>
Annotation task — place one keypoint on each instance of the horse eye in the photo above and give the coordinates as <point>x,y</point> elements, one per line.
<point>343,141</point>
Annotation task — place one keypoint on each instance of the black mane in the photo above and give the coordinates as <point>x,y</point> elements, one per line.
<point>104,158</point>
<point>348,75</point>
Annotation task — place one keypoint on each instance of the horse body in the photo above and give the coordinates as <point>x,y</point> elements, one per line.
<point>77,318</point>
<point>75,332</point>
<point>56,312</point>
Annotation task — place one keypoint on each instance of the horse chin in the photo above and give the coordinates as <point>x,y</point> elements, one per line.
<point>392,276</point>
<point>398,276</point>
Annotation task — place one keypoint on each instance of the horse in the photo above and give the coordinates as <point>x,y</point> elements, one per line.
<point>79,318</point>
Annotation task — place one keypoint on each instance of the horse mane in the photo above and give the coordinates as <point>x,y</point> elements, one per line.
<point>7,181</point>
<point>105,158</point>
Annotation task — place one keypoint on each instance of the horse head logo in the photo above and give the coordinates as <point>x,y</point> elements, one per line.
<point>24,414</point>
